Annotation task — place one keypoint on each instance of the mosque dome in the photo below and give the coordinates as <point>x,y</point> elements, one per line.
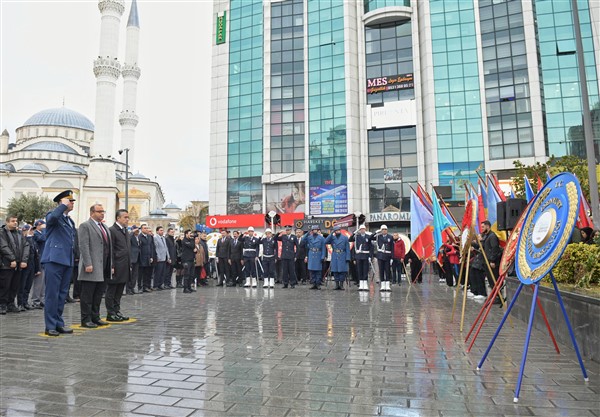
<point>51,147</point>
<point>171,206</point>
<point>68,168</point>
<point>7,167</point>
<point>139,176</point>
<point>158,212</point>
<point>35,167</point>
<point>60,117</point>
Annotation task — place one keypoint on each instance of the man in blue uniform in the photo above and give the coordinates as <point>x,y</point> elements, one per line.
<point>363,250</point>
<point>289,244</point>
<point>58,262</point>
<point>250,251</point>
<point>340,256</point>
<point>315,253</point>
<point>385,246</point>
<point>269,255</point>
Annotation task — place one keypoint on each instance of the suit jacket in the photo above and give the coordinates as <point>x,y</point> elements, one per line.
<point>147,251</point>
<point>91,251</point>
<point>223,247</point>
<point>235,251</point>
<point>121,252</point>
<point>171,248</point>
<point>13,249</point>
<point>134,244</point>
<point>60,237</point>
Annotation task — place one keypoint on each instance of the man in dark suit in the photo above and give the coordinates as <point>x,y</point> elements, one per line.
<point>147,257</point>
<point>235,261</point>
<point>95,266</point>
<point>301,271</point>
<point>222,253</point>
<point>14,256</point>
<point>57,260</point>
<point>121,253</point>
<point>135,277</point>
<point>172,256</point>
<point>289,245</point>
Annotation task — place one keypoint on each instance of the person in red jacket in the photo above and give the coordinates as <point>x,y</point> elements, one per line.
<point>450,259</point>
<point>398,254</point>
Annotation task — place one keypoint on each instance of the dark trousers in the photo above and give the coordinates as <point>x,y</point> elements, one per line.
<point>397,269</point>
<point>268,265</point>
<point>91,298</point>
<point>477,279</point>
<point>25,286</point>
<point>58,278</point>
<point>288,273</point>
<point>9,285</point>
<point>315,277</point>
<point>112,299</point>
<point>250,267</point>
<point>223,269</point>
<point>169,274</point>
<point>491,283</point>
<point>159,274</point>
<point>146,277</point>
<point>449,273</point>
<point>188,274</point>
<point>300,270</point>
<point>235,276</point>
<point>362,266</point>
<point>384,269</point>
<point>76,282</point>
<point>340,276</point>
<point>134,278</point>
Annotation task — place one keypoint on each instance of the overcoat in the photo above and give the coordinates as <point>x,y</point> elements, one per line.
<point>340,255</point>
<point>315,251</point>
<point>91,251</point>
<point>60,238</point>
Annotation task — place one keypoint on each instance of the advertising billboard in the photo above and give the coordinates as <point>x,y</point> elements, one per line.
<point>286,198</point>
<point>329,199</point>
<point>389,83</point>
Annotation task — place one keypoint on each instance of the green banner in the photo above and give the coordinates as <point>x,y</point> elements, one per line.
<point>221,27</point>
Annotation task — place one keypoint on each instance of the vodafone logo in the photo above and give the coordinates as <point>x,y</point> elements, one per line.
<point>235,220</point>
<point>212,221</point>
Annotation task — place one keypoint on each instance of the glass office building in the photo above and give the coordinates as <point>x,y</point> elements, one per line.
<point>329,107</point>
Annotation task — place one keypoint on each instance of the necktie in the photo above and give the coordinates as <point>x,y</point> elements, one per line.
<point>235,242</point>
<point>103,232</point>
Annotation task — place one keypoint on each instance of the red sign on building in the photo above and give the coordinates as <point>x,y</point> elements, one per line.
<point>235,220</point>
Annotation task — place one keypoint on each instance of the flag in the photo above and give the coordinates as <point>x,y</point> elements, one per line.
<point>497,187</point>
<point>512,192</point>
<point>540,184</point>
<point>440,223</point>
<point>421,227</point>
<point>529,194</point>
<point>425,198</point>
<point>584,220</point>
<point>493,200</point>
<point>481,209</point>
<point>483,191</point>
<point>466,220</point>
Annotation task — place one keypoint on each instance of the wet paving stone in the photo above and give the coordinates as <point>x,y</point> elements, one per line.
<point>253,352</point>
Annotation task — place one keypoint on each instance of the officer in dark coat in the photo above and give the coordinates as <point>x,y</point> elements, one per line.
<point>289,246</point>
<point>235,261</point>
<point>269,255</point>
<point>134,256</point>
<point>385,246</point>
<point>363,252</point>
<point>300,255</point>
<point>172,251</point>
<point>57,261</point>
<point>340,256</point>
<point>315,254</point>
<point>147,257</point>
<point>121,251</point>
<point>250,245</point>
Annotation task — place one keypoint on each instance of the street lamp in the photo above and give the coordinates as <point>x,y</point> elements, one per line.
<point>126,150</point>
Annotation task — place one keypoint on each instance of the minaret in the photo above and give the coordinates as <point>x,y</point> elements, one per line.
<point>101,184</point>
<point>131,74</point>
<point>107,70</point>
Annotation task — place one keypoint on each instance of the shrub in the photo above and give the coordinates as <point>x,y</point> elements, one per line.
<point>579,266</point>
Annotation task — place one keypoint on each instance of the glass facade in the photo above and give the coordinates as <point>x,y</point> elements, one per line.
<point>457,93</point>
<point>392,152</point>
<point>245,112</point>
<point>510,132</point>
<point>371,5</point>
<point>326,94</point>
<point>560,76</point>
<point>287,87</point>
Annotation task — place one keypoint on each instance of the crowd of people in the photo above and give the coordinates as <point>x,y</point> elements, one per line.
<point>40,263</point>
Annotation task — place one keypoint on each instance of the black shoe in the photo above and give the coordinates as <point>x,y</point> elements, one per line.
<point>11,308</point>
<point>28,307</point>
<point>187,291</point>
<point>112,317</point>
<point>89,325</point>
<point>146,290</point>
<point>293,286</point>
<point>219,284</point>
<point>21,308</point>
<point>285,286</point>
<point>101,323</point>
<point>122,317</point>
<point>69,300</point>
<point>129,292</point>
<point>52,333</point>
<point>178,285</point>
<point>64,330</point>
<point>314,287</point>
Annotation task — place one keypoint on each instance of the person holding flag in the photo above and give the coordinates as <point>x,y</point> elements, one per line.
<point>490,244</point>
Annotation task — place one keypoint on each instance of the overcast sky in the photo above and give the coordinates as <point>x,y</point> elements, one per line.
<point>47,49</point>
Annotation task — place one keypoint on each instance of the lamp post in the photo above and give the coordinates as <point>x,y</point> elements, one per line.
<point>587,120</point>
<point>126,150</point>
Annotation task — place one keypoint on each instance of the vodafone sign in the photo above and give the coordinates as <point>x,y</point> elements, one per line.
<point>233,221</point>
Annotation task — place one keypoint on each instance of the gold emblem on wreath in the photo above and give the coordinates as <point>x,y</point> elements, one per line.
<point>573,199</point>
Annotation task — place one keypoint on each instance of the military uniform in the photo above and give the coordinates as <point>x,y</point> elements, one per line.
<point>269,255</point>
<point>289,244</point>
<point>250,252</point>
<point>363,252</point>
<point>385,246</point>
<point>315,253</point>
<point>340,256</point>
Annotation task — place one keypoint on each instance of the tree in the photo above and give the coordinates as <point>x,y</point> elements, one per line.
<point>194,214</point>
<point>568,163</point>
<point>28,208</point>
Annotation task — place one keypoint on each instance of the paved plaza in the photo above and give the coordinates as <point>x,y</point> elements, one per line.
<point>292,352</point>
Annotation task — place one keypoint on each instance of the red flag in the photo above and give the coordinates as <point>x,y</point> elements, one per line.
<point>584,220</point>
<point>540,184</point>
<point>498,189</point>
<point>481,215</point>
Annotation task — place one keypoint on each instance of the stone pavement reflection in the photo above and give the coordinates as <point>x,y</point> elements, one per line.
<point>294,352</point>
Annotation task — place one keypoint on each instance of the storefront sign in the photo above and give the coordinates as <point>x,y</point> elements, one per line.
<point>393,114</point>
<point>391,216</point>
<point>329,199</point>
<point>394,82</point>
<point>235,220</point>
<point>221,27</point>
<point>324,223</point>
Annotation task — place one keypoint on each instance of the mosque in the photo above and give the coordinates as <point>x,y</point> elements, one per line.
<point>58,149</point>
